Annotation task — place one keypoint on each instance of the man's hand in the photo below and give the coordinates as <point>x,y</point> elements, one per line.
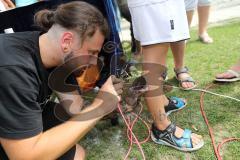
<point>114,86</point>
<point>46,144</point>
<point>109,95</point>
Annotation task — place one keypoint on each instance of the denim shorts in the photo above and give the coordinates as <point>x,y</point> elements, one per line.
<point>192,4</point>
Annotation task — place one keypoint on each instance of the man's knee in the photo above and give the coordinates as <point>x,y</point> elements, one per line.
<point>80,153</point>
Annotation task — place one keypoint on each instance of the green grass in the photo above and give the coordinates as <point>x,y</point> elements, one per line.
<point>204,61</point>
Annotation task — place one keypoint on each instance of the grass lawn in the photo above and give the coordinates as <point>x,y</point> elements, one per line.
<point>110,143</point>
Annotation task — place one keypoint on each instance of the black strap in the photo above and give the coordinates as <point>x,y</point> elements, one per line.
<point>165,135</point>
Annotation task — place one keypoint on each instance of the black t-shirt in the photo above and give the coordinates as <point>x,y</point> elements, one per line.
<point>24,88</point>
<point>23,85</point>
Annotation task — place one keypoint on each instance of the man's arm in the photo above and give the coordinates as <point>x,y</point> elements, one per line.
<point>52,143</point>
<point>56,141</point>
<point>71,102</point>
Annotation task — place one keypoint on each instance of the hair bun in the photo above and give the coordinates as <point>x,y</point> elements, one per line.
<point>44,19</point>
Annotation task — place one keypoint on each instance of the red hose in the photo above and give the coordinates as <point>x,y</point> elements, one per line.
<point>131,135</point>
<point>216,148</point>
<point>129,127</point>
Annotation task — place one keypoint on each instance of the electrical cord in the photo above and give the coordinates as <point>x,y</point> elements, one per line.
<point>132,136</point>
<point>209,92</point>
<point>210,130</point>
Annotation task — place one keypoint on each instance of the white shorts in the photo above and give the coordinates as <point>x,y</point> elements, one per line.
<point>192,4</point>
<point>159,21</point>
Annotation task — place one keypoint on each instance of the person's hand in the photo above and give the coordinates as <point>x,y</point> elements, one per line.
<point>137,89</point>
<point>110,94</point>
<point>114,86</point>
<point>8,4</point>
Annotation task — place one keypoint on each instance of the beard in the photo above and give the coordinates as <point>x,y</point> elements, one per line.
<point>68,57</point>
<point>76,63</point>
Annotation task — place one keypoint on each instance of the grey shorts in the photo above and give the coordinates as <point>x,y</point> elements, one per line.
<point>192,4</point>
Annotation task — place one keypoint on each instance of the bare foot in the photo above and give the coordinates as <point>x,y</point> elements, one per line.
<point>225,75</point>
<point>205,38</point>
<point>196,139</point>
<point>185,85</point>
<point>229,75</point>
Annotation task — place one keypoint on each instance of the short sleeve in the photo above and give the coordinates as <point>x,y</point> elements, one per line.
<point>20,113</point>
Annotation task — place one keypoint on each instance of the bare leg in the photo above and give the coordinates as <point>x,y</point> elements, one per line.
<point>153,54</point>
<point>178,50</point>
<point>156,54</point>
<point>80,153</point>
<point>190,17</point>
<point>203,15</point>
